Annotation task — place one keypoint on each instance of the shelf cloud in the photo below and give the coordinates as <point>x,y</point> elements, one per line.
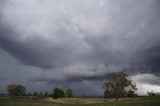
<point>74,41</point>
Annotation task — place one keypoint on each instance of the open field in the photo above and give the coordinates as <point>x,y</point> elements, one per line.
<point>140,101</point>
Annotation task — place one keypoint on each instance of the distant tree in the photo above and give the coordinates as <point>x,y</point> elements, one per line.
<point>35,94</point>
<point>69,93</point>
<point>131,93</point>
<point>40,94</point>
<point>16,90</point>
<point>115,87</point>
<point>50,95</point>
<point>46,94</point>
<point>151,93</point>
<point>29,94</point>
<point>58,93</point>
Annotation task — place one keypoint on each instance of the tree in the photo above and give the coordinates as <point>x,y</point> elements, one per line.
<point>29,94</point>
<point>16,90</point>
<point>116,86</point>
<point>46,94</point>
<point>40,94</point>
<point>151,93</point>
<point>50,94</point>
<point>58,93</point>
<point>69,93</point>
<point>35,94</point>
<point>131,93</point>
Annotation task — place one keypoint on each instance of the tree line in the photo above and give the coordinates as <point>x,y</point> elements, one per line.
<point>118,86</point>
<point>19,90</point>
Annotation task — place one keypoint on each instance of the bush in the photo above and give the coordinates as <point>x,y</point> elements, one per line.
<point>16,90</point>
<point>58,93</point>
<point>69,93</point>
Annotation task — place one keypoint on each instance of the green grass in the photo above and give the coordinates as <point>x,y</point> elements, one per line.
<point>5,101</point>
<point>140,101</point>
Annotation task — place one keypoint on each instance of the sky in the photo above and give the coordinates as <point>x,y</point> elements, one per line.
<point>77,43</point>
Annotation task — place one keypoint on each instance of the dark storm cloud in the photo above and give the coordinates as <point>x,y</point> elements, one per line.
<point>35,52</point>
<point>24,52</point>
<point>71,42</point>
<point>70,78</point>
<point>153,58</point>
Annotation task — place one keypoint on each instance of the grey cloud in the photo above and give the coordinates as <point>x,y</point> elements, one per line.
<point>146,82</point>
<point>55,35</point>
<point>36,52</point>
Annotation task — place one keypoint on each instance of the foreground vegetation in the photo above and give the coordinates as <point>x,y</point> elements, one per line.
<point>114,88</point>
<point>28,101</point>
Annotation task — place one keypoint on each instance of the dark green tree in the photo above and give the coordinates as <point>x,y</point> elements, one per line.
<point>50,94</point>
<point>69,93</point>
<point>46,94</point>
<point>16,90</point>
<point>116,86</point>
<point>58,93</point>
<point>40,94</point>
<point>131,93</point>
<point>29,94</point>
<point>35,94</point>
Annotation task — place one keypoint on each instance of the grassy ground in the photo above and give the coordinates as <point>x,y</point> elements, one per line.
<point>140,101</point>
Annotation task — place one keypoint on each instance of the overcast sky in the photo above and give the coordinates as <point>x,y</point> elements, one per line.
<point>77,43</point>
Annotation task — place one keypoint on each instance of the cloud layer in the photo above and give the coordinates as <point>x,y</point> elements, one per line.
<point>82,40</point>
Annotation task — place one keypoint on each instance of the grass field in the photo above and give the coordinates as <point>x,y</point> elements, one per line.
<point>140,101</point>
